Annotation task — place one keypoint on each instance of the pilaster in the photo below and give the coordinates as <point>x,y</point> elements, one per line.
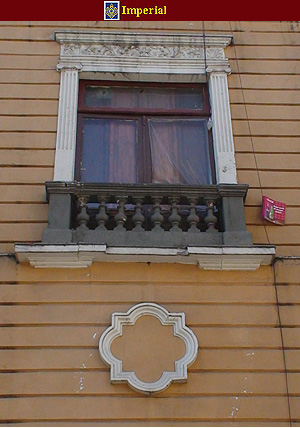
<point>67,122</point>
<point>222,129</point>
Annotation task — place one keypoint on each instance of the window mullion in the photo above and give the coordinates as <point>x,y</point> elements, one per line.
<point>147,176</point>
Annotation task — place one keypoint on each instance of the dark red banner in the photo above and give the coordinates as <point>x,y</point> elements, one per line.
<point>147,10</point>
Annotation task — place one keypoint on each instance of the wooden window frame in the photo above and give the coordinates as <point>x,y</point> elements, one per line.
<point>144,166</point>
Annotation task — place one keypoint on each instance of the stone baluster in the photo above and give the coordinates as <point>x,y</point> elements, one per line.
<point>175,218</point>
<point>120,217</point>
<point>138,218</point>
<point>193,219</point>
<point>101,217</point>
<point>210,220</point>
<point>157,219</point>
<point>83,217</point>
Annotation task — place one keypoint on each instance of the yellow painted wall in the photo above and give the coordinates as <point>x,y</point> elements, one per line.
<point>50,345</point>
<point>51,320</point>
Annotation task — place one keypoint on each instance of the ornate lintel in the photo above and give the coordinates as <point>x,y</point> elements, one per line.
<point>122,49</point>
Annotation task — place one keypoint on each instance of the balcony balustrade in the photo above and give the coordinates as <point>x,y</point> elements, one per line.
<point>146,215</point>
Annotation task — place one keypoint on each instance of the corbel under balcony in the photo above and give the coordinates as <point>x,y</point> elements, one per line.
<point>84,255</point>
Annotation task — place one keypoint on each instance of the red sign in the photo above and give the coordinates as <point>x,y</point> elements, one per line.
<point>273,211</point>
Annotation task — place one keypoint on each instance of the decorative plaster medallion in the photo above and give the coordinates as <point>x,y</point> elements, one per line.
<point>177,320</point>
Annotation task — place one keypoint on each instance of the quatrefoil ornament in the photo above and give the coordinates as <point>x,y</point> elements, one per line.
<point>129,318</point>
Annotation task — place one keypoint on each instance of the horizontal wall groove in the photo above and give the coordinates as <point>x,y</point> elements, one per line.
<point>115,302</point>
<point>89,347</point>
<point>137,395</point>
<point>91,324</point>
<point>28,115</point>
<point>143,420</point>
<point>106,370</point>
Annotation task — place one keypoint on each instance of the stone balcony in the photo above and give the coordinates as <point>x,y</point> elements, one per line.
<point>146,215</point>
<point>160,223</point>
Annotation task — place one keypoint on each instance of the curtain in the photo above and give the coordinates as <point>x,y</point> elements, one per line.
<point>109,151</point>
<point>179,151</point>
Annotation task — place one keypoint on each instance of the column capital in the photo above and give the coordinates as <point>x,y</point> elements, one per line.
<point>62,66</point>
<point>219,69</point>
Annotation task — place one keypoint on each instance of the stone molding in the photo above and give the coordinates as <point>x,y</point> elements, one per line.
<point>148,52</point>
<point>177,320</point>
<point>211,191</point>
<point>84,255</point>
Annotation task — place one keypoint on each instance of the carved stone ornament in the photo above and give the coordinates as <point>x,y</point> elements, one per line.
<point>139,51</point>
<point>104,51</point>
<point>180,330</point>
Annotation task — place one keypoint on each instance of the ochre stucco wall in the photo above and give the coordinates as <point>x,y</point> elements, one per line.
<point>53,372</point>
<point>51,320</point>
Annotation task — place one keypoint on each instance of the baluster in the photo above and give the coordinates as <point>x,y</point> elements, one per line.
<point>101,217</point>
<point>138,218</point>
<point>83,217</point>
<point>157,219</point>
<point>210,220</point>
<point>193,219</point>
<point>120,217</point>
<point>175,218</point>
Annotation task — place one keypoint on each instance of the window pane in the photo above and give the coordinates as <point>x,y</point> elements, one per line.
<point>179,151</point>
<point>143,98</point>
<point>109,151</point>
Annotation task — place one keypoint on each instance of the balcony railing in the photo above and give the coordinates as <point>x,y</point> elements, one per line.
<point>146,215</point>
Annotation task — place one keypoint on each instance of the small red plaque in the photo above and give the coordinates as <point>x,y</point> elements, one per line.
<point>273,211</point>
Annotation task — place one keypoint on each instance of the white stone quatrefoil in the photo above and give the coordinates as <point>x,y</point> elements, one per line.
<point>180,330</point>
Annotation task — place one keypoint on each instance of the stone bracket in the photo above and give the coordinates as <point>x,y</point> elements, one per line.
<point>83,256</point>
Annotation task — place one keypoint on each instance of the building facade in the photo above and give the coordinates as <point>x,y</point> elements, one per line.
<point>110,205</point>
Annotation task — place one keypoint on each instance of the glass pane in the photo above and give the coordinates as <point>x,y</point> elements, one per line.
<point>179,151</point>
<point>109,151</point>
<point>143,98</point>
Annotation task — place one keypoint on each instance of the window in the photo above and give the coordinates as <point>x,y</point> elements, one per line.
<point>173,131</point>
<point>144,133</point>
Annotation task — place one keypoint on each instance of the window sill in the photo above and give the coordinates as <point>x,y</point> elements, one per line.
<point>207,258</point>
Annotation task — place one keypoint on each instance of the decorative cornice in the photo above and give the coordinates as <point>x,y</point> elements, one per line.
<point>149,52</point>
<point>141,37</point>
<point>177,320</point>
<point>152,189</point>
